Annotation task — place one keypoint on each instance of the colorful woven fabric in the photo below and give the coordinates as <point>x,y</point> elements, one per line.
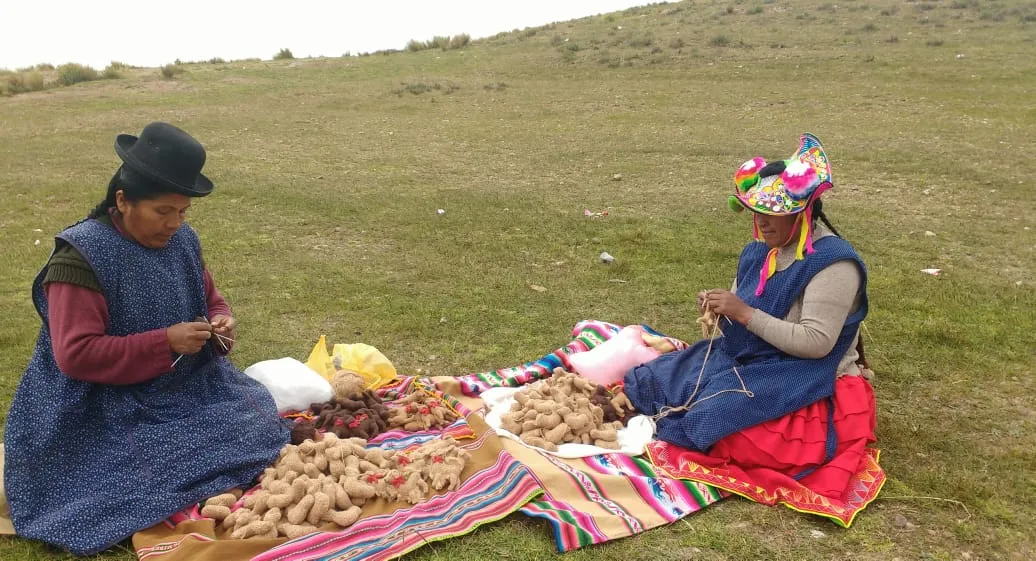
<point>611,496</point>
<point>494,485</point>
<point>486,496</point>
<point>863,487</point>
<point>585,336</point>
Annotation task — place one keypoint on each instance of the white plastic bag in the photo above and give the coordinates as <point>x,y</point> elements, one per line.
<point>293,385</point>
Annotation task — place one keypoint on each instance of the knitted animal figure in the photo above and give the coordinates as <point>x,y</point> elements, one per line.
<point>347,385</point>
<point>420,411</point>
<point>561,409</point>
<point>616,406</point>
<point>327,481</point>
<point>302,431</point>
<point>365,417</point>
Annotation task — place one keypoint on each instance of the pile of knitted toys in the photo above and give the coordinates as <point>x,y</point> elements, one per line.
<point>325,481</point>
<point>420,411</point>
<point>358,413</point>
<point>567,408</point>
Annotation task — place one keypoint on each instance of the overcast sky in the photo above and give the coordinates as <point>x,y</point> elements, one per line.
<point>96,32</point>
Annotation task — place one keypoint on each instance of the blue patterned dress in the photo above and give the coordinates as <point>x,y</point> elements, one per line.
<point>87,465</point>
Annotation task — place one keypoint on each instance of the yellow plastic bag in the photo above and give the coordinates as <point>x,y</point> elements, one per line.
<point>319,361</point>
<point>365,360</point>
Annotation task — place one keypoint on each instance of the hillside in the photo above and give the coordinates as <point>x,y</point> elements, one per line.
<point>329,173</point>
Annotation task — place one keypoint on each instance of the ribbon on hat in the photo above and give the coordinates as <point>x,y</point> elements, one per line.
<point>804,177</point>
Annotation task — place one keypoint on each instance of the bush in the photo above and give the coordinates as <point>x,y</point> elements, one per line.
<point>217,60</point>
<point>459,41</point>
<point>418,88</point>
<point>170,70</point>
<point>443,42</point>
<point>676,43</point>
<point>755,11</point>
<point>21,82</point>
<point>645,41</point>
<point>73,73</point>
<point>111,72</point>
<point>34,81</point>
<point>934,43</point>
<point>283,54</point>
<point>720,41</point>
<point>440,42</point>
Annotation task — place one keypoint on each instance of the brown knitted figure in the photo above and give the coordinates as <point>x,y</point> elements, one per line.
<point>362,418</point>
<point>616,406</point>
<point>302,431</point>
<point>561,409</point>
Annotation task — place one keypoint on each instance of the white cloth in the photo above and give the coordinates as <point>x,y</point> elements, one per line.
<point>633,439</point>
<point>293,385</point>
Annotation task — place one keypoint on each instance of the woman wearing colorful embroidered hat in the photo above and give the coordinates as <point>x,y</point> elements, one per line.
<point>128,411</point>
<point>780,388</point>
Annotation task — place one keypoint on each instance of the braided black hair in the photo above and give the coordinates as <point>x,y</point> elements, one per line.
<point>818,212</point>
<point>134,188</point>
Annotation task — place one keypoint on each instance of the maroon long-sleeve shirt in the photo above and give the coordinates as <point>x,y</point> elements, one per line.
<point>78,318</point>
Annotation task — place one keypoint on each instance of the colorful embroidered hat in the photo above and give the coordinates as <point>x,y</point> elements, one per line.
<point>783,188</point>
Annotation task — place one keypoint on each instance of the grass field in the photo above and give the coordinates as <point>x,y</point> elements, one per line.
<point>329,173</point>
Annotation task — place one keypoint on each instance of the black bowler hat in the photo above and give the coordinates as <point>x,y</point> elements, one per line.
<point>167,156</point>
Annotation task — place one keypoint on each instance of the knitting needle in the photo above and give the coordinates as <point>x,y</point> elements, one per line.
<point>219,338</point>
<point>175,361</point>
<point>225,338</point>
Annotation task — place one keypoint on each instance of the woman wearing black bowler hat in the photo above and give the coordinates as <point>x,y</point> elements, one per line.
<point>129,411</point>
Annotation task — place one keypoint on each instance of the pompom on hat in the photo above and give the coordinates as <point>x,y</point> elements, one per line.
<point>784,188</point>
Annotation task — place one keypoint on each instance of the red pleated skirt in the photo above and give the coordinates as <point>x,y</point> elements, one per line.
<point>771,454</point>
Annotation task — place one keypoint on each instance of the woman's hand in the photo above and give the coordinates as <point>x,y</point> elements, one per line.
<point>225,326</point>
<point>726,303</point>
<point>188,338</point>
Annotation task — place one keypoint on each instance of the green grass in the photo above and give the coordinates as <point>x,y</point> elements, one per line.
<point>324,221</point>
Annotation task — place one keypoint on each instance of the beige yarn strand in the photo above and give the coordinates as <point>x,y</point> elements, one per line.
<point>708,318</point>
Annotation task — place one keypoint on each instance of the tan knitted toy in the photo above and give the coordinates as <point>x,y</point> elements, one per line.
<point>420,411</point>
<point>559,410</point>
<point>347,385</point>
